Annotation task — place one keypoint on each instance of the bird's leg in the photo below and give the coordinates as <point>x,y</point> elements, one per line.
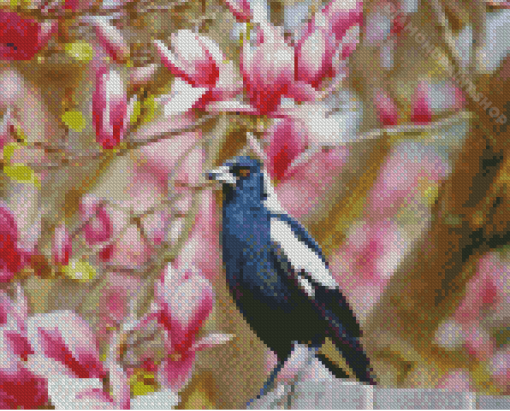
<point>299,376</point>
<point>269,384</point>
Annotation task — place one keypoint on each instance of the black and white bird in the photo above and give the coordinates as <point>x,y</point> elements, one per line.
<point>278,275</point>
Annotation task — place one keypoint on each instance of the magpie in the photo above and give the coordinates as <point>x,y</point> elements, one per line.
<point>278,276</point>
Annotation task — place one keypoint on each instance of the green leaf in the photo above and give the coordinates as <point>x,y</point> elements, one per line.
<point>74,120</point>
<point>79,270</point>
<point>80,50</point>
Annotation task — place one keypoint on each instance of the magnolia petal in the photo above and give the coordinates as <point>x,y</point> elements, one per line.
<point>342,14</point>
<point>457,380</point>
<point>176,374</point>
<point>22,390</point>
<point>211,340</point>
<point>421,112</point>
<point>119,383</point>
<point>67,338</point>
<point>46,30</point>
<point>182,98</point>
<point>240,9</point>
<point>142,75</point>
<point>378,27</point>
<point>77,393</point>
<point>10,256</point>
<point>478,342</point>
<point>61,245</point>
<point>301,91</point>
<point>230,106</point>
<point>185,299</point>
<point>99,228</point>
<point>387,110</point>
<point>286,140</point>
<point>163,125</point>
<point>163,399</point>
<point>109,108</point>
<point>202,250</point>
<point>499,366</point>
<point>156,226</point>
<point>111,39</point>
<point>169,59</point>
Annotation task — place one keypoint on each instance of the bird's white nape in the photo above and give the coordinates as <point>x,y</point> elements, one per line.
<point>299,255</point>
<point>271,202</point>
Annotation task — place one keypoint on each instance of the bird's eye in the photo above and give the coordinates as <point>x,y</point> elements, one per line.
<point>241,172</point>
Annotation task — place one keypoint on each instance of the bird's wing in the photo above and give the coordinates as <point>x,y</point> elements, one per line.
<point>300,258</point>
<point>301,250</point>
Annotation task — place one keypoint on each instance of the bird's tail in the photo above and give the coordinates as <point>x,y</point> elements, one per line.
<point>332,367</point>
<point>355,357</point>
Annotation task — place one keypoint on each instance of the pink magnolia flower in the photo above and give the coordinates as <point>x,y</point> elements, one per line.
<point>342,15</point>
<point>333,34</point>
<point>67,339</point>
<point>98,226</point>
<point>421,112</point>
<point>424,169</point>
<point>286,140</point>
<point>387,110</point>
<point>499,366</point>
<point>202,250</point>
<point>314,57</point>
<point>268,71</point>
<point>12,258</point>
<point>20,38</point>
<point>61,245</point>
<point>365,263</point>
<point>485,293</point>
<point>111,39</point>
<point>185,300</point>
<point>457,380</point>
<point>109,108</point>
<point>303,190</point>
<point>19,387</point>
<point>66,353</point>
<point>199,61</point>
<point>142,75</point>
<point>240,9</point>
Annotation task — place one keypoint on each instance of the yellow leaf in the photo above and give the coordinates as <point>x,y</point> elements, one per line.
<point>74,120</point>
<point>80,50</point>
<point>79,270</point>
<point>20,173</point>
<point>9,151</point>
<point>150,105</point>
<point>142,383</point>
<point>136,112</point>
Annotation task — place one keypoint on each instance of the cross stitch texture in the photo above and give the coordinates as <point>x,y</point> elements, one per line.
<point>254,204</point>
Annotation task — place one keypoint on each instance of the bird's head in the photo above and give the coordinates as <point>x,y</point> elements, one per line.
<point>241,175</point>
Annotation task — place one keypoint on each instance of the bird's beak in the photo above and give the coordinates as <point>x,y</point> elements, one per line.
<point>223,175</point>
